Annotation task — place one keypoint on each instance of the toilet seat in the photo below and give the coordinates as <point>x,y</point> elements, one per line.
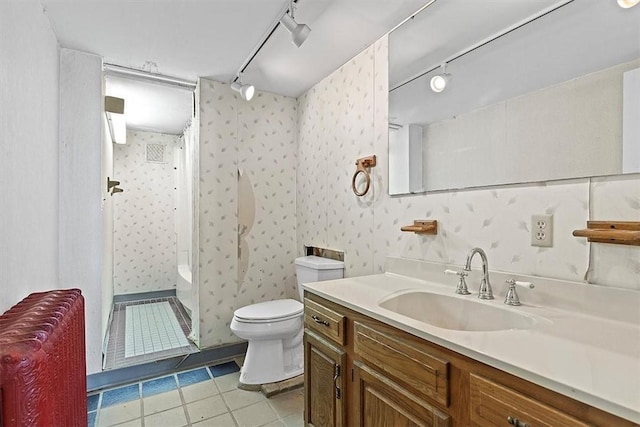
<point>269,311</point>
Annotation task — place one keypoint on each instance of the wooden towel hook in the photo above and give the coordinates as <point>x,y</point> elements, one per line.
<point>361,165</point>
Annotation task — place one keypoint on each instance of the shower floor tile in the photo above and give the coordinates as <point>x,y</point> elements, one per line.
<point>150,328</point>
<point>153,339</point>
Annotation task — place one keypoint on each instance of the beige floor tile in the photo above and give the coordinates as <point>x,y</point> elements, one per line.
<point>294,420</point>
<point>161,402</point>
<point>199,391</point>
<point>224,420</point>
<point>133,423</point>
<point>206,408</point>
<point>289,403</point>
<point>173,417</point>
<point>118,414</point>
<point>227,382</point>
<point>237,399</point>
<point>277,423</point>
<point>255,415</point>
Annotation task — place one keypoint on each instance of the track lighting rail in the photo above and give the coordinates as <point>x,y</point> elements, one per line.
<point>285,11</point>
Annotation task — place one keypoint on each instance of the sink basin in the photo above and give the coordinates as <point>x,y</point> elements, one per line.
<point>450,312</point>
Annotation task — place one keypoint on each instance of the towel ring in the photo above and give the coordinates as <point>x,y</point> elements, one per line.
<point>361,165</point>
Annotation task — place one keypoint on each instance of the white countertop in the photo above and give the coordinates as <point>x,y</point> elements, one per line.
<point>582,353</point>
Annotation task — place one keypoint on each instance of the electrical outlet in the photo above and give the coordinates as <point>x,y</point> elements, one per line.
<point>542,230</point>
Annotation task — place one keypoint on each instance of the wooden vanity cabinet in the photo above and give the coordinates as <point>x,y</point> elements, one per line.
<point>360,372</point>
<point>324,365</point>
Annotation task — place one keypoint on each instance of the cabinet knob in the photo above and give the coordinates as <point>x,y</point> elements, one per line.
<point>516,422</point>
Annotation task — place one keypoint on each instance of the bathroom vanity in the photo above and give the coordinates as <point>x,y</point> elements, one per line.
<point>367,365</point>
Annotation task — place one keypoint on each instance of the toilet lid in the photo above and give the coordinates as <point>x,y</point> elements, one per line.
<point>270,310</point>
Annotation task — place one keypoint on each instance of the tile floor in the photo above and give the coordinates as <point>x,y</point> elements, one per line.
<point>200,397</point>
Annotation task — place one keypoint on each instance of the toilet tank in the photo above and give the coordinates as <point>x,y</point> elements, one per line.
<point>316,269</point>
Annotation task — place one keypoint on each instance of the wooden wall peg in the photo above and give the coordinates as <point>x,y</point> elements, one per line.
<point>615,232</point>
<point>422,227</point>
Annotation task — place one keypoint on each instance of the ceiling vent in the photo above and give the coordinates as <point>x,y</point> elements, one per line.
<point>155,153</point>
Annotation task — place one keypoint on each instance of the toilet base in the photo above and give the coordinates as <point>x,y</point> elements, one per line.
<point>282,363</point>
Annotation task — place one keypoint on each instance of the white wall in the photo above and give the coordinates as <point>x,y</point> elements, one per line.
<point>144,221</point>
<point>344,117</point>
<point>29,152</point>
<point>80,184</point>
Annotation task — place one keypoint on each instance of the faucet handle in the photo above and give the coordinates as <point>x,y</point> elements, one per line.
<point>458,273</point>
<point>461,289</point>
<point>520,283</point>
<point>512,296</point>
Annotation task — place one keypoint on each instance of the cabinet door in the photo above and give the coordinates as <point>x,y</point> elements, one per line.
<point>379,402</point>
<point>324,382</point>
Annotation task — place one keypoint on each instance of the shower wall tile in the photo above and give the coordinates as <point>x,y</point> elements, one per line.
<point>494,218</point>
<point>244,257</point>
<point>144,224</point>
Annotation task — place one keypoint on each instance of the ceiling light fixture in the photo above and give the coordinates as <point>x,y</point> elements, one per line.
<point>299,32</point>
<point>439,81</point>
<point>626,4</point>
<point>114,110</point>
<point>246,91</point>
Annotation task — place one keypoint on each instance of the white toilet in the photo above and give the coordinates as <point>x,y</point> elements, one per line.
<point>274,329</point>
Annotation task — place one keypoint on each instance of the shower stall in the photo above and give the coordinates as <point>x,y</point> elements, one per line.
<point>155,301</point>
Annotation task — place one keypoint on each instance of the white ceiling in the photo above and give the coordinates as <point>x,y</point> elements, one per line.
<point>213,38</point>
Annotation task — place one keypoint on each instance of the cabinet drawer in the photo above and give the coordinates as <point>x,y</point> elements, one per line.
<point>410,365</point>
<point>495,405</point>
<point>325,321</point>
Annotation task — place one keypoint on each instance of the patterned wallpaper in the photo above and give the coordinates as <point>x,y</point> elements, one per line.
<point>275,175</point>
<point>144,228</point>
<point>344,117</point>
<point>258,138</point>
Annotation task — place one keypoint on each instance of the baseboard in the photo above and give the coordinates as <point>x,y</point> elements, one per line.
<point>144,295</point>
<point>130,374</point>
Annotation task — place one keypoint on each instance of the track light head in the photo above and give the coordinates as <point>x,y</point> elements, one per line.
<point>627,3</point>
<point>439,82</point>
<point>299,32</point>
<point>246,91</point>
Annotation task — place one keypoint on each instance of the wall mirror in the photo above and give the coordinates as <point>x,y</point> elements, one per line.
<point>537,90</point>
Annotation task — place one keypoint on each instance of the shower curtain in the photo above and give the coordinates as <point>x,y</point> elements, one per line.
<point>184,218</point>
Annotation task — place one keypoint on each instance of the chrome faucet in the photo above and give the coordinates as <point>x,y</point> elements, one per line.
<point>484,292</point>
